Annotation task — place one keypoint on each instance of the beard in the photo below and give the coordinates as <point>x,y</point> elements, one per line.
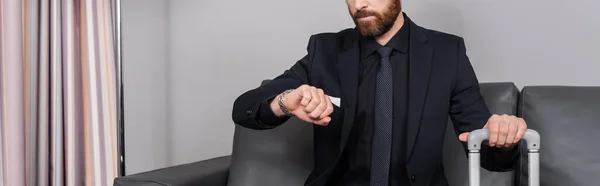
<point>382,23</point>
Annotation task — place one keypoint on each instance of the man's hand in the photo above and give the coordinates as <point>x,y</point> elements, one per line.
<point>308,103</point>
<point>505,131</point>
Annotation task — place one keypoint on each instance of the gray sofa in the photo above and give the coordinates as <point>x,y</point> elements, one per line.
<point>567,118</point>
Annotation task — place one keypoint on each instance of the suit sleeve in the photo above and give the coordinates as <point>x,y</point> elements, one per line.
<point>252,110</point>
<point>469,112</point>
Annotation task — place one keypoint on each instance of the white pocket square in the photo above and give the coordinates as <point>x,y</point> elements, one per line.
<point>336,101</point>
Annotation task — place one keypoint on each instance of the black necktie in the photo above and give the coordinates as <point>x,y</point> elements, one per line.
<point>382,134</point>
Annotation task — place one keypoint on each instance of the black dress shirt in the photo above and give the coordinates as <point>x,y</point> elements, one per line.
<point>354,169</point>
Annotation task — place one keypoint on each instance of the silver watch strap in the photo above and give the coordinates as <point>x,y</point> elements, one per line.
<point>281,105</point>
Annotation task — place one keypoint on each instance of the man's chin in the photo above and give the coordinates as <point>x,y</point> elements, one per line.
<point>370,32</point>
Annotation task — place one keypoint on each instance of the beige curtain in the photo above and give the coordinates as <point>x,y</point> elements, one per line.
<point>58,105</point>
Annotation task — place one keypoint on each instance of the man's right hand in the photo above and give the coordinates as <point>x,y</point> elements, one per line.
<point>307,103</point>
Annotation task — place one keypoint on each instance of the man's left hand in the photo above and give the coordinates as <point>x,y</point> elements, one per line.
<point>505,131</point>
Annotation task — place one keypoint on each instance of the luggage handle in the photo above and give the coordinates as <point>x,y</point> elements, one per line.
<point>476,137</point>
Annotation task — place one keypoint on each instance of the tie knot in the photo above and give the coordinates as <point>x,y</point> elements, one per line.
<point>384,51</point>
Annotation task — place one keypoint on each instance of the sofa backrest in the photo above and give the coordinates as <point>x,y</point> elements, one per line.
<point>501,98</point>
<point>568,121</point>
<point>280,156</point>
<point>284,155</point>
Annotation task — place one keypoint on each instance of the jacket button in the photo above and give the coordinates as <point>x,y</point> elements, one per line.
<point>413,178</point>
<point>249,112</point>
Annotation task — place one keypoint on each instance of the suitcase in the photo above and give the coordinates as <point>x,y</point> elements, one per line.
<point>531,137</point>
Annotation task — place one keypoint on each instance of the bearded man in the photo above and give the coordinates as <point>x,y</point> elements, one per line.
<point>379,96</point>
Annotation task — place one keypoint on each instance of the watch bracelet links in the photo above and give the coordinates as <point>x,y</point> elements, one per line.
<point>285,111</point>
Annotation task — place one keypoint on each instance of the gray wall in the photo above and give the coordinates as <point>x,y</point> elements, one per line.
<point>145,57</point>
<point>535,42</point>
<point>221,49</point>
<point>185,63</point>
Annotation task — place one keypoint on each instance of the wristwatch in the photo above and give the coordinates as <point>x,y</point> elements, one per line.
<point>281,105</point>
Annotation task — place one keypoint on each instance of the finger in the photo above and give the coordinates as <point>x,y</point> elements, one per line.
<point>314,101</point>
<point>306,96</point>
<point>503,131</point>
<point>298,90</point>
<point>464,137</point>
<point>493,129</point>
<point>513,127</point>
<point>323,122</point>
<point>325,101</point>
<point>316,114</point>
<point>329,108</point>
<point>520,131</point>
<point>486,126</point>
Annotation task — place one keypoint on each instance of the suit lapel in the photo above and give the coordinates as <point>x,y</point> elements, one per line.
<point>347,64</point>
<point>421,56</point>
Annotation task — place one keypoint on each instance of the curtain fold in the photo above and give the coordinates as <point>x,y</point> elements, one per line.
<point>58,120</point>
<point>13,130</point>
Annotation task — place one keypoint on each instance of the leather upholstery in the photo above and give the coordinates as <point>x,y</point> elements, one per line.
<point>275,157</point>
<point>501,98</point>
<point>568,120</point>
<point>208,172</point>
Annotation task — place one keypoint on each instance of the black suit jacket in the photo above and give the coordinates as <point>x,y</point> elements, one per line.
<point>442,84</point>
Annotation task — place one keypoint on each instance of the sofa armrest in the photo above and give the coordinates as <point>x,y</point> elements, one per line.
<point>207,172</point>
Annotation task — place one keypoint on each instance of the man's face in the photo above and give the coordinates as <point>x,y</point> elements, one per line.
<point>374,17</point>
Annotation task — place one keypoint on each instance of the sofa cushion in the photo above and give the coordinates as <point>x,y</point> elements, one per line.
<point>568,120</point>
<point>275,157</point>
<point>283,155</point>
<point>501,98</point>
<point>207,172</point>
